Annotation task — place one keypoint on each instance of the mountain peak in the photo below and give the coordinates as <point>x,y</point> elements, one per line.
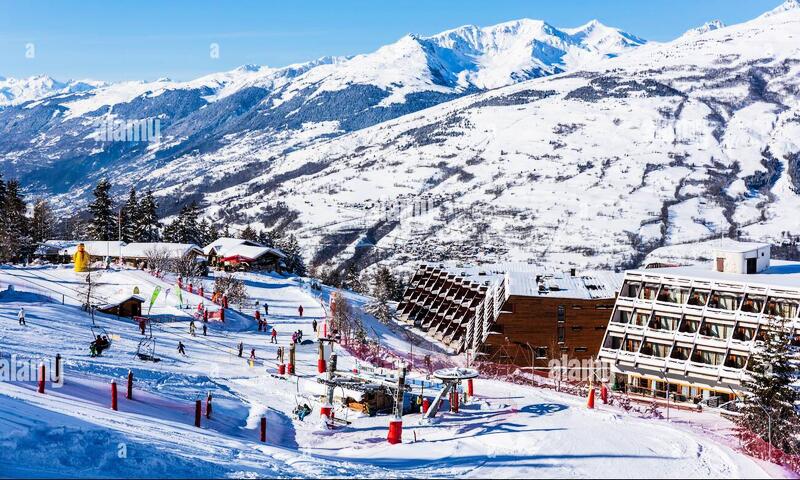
<point>788,5</point>
<point>706,27</point>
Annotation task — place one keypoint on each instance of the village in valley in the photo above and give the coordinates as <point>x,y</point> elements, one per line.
<point>477,285</point>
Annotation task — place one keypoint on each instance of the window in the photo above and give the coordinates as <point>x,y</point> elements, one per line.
<point>561,333</point>
<point>655,349</point>
<point>561,313</point>
<point>641,318</point>
<point>680,353</point>
<point>735,361</point>
<point>663,322</point>
<point>707,357</point>
<point>689,324</point>
<point>744,333</point>
<point>649,291</point>
<point>630,289</point>
<point>670,294</point>
<point>753,303</point>
<point>581,349</point>
<point>621,316</point>
<point>600,328</point>
<point>725,300</point>
<point>540,352</point>
<point>781,307</point>
<point>698,297</point>
<point>612,342</point>
<point>577,328</point>
<point>716,330</point>
<point>632,345</point>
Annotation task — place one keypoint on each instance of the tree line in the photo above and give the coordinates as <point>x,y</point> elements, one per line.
<point>20,231</point>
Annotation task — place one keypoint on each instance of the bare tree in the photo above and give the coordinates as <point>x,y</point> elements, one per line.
<point>232,288</point>
<point>158,259</point>
<point>188,268</point>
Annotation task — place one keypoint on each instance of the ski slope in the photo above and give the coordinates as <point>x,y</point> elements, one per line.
<point>506,431</point>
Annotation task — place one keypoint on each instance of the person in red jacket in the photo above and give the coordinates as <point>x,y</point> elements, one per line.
<point>274,338</point>
<point>300,310</point>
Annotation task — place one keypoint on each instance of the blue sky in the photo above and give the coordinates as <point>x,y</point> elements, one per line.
<point>142,39</point>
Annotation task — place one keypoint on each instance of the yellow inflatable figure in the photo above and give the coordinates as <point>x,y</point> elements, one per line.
<point>81,259</point>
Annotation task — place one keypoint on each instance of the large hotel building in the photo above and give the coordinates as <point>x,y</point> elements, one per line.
<point>692,329</point>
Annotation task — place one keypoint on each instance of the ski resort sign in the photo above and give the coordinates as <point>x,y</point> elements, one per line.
<point>25,370</point>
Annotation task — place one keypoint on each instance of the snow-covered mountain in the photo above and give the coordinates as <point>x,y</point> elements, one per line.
<point>14,91</point>
<point>706,27</point>
<point>671,143</point>
<point>403,151</point>
<point>248,116</point>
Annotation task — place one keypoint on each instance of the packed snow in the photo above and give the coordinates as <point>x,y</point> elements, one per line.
<point>505,431</point>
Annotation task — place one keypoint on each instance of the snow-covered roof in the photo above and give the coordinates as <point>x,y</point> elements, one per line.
<point>231,247</point>
<point>780,273</point>
<point>117,301</point>
<point>729,245</point>
<point>534,281</point>
<point>115,248</point>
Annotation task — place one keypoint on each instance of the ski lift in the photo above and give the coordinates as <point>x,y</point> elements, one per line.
<point>146,350</point>
<point>99,332</point>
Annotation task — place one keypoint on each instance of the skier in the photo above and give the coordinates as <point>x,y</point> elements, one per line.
<point>266,308</point>
<point>314,325</point>
<point>21,316</point>
<point>300,310</point>
<point>205,330</point>
<point>241,347</point>
<point>274,338</point>
<point>181,349</point>
<point>299,336</point>
<point>279,353</point>
<point>191,328</point>
<point>141,325</point>
<point>253,354</point>
<point>294,337</point>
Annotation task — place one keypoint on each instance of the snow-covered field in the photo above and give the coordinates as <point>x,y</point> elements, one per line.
<point>505,431</point>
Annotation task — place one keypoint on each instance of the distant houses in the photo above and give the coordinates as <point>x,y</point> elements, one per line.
<point>224,253</point>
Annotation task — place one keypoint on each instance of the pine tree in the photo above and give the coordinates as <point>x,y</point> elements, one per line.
<point>129,218</point>
<point>15,241</point>
<point>352,279</point>
<point>274,238</point>
<point>294,256</point>
<point>249,233</point>
<point>208,232</point>
<point>42,222</point>
<point>147,225</point>
<point>103,225</point>
<point>771,398</point>
<point>382,289</point>
<point>189,229</point>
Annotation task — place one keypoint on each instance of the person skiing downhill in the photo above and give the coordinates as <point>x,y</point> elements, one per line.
<point>266,308</point>
<point>300,310</point>
<point>192,328</point>
<point>274,338</point>
<point>21,316</point>
<point>181,349</point>
<point>314,325</point>
<point>253,354</point>
<point>241,347</point>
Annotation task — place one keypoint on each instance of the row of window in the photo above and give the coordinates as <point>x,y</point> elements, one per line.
<point>691,324</point>
<point>675,351</point>
<point>717,299</point>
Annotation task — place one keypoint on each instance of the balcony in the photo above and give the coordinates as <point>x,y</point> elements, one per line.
<point>660,334</point>
<point>651,361</point>
<point>702,369</point>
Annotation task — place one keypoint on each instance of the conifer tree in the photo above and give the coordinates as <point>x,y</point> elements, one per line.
<point>15,241</point>
<point>129,218</point>
<point>294,256</point>
<point>249,233</point>
<point>147,224</point>
<point>769,408</point>
<point>42,222</point>
<point>103,225</point>
<point>383,288</point>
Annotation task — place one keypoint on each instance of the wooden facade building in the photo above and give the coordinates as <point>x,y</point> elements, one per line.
<point>512,313</point>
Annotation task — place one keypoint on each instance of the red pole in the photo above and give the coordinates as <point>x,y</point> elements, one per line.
<point>205,315</point>
<point>208,405</point>
<point>470,391</point>
<point>263,429</point>
<point>222,314</point>
<point>191,288</point>
<point>113,395</point>
<point>590,401</point>
<point>604,393</point>
<point>200,290</point>
<point>129,393</point>
<point>197,409</point>
<point>426,404</point>
<point>41,378</point>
